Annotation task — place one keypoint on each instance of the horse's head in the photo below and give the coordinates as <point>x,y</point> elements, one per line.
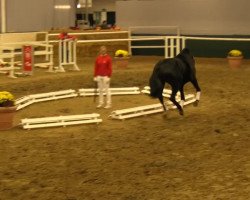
<point>156,86</point>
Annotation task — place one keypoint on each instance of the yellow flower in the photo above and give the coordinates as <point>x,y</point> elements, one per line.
<point>235,53</point>
<point>121,53</point>
<point>6,99</point>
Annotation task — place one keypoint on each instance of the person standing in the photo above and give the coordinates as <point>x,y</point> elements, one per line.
<point>102,75</point>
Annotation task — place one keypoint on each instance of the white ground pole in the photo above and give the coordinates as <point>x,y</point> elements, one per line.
<point>114,91</point>
<point>146,110</point>
<point>46,122</point>
<point>3,16</point>
<point>67,54</point>
<point>35,98</point>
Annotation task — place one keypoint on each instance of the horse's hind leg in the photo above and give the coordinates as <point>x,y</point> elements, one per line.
<point>198,91</point>
<point>172,98</point>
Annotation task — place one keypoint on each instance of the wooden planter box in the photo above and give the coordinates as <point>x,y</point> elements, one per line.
<point>6,117</point>
<point>235,62</point>
<point>121,62</point>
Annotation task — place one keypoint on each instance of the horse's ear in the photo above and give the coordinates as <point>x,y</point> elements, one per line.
<point>185,51</point>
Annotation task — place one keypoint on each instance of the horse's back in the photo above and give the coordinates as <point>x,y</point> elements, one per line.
<point>170,67</point>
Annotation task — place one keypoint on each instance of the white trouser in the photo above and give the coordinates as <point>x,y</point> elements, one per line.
<point>103,83</point>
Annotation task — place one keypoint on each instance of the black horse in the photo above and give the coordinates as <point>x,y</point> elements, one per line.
<point>177,72</point>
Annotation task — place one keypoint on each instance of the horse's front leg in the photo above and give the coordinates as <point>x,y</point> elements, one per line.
<point>182,97</point>
<point>162,102</point>
<point>198,91</point>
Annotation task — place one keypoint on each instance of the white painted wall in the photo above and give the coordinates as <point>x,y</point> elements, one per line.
<point>193,16</point>
<point>99,5</point>
<point>1,18</point>
<point>226,17</point>
<point>38,15</point>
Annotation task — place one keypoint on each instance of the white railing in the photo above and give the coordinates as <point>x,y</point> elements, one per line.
<point>82,34</point>
<point>155,30</point>
<point>17,40</point>
<point>217,39</point>
<point>169,41</point>
<point>172,44</point>
<point>171,30</point>
<point>90,33</point>
<point>14,42</point>
<point>44,50</point>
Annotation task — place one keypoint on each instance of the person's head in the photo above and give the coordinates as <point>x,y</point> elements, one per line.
<point>64,33</point>
<point>103,50</point>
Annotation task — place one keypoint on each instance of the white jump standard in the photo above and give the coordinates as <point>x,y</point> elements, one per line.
<point>10,69</point>
<point>67,54</point>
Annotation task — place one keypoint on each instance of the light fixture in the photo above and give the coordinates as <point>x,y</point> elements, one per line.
<point>63,7</point>
<point>84,3</point>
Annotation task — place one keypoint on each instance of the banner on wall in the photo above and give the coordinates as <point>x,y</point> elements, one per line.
<point>28,59</point>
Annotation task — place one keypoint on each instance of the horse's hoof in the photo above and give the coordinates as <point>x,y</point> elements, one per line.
<point>196,103</point>
<point>165,115</point>
<point>181,112</point>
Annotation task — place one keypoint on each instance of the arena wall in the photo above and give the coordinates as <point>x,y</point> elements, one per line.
<point>224,17</point>
<point>199,48</point>
<point>37,15</point>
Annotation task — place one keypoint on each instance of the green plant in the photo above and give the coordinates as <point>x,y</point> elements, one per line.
<point>6,99</point>
<point>235,53</point>
<point>121,53</point>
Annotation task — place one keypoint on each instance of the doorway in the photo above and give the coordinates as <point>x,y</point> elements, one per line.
<point>111,18</point>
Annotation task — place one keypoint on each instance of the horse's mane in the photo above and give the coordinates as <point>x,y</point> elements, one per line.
<point>185,56</point>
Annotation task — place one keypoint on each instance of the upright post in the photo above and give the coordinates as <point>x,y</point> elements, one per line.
<point>177,45</point>
<point>3,16</point>
<point>47,48</point>
<point>183,42</point>
<point>129,42</point>
<point>171,47</point>
<point>166,47</point>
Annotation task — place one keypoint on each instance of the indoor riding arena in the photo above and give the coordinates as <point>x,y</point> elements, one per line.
<point>54,150</point>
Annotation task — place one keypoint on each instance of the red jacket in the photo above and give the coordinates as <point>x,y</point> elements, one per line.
<point>103,66</point>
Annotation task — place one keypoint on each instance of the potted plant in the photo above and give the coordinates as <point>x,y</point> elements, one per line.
<point>7,110</point>
<point>121,58</point>
<point>235,58</point>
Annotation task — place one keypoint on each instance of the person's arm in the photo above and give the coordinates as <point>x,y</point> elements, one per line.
<point>61,36</point>
<point>96,66</point>
<point>109,67</point>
